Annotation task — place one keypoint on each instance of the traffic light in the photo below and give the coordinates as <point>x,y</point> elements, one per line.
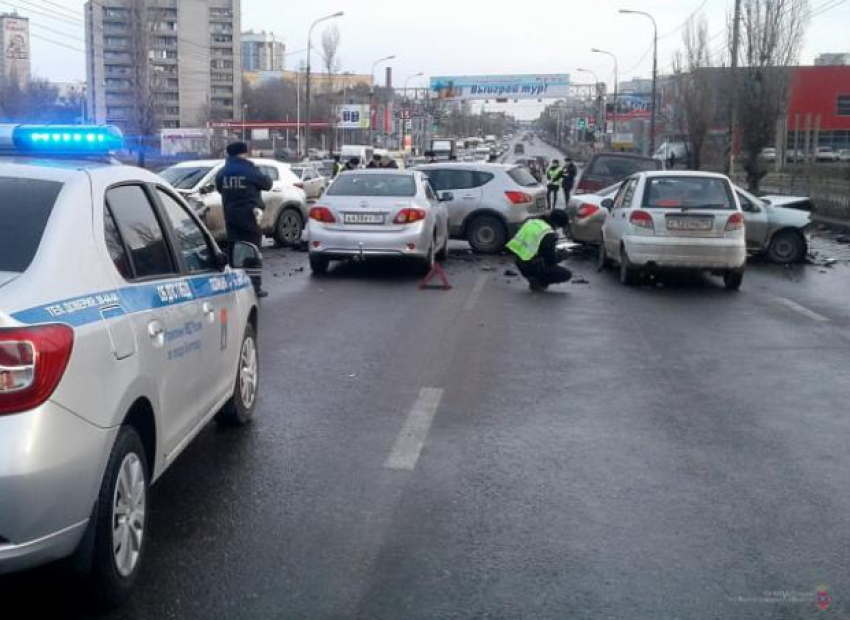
<point>582,124</point>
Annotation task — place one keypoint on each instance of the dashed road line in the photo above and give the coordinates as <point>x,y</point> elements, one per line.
<point>412,437</point>
<point>801,310</point>
<point>476,292</point>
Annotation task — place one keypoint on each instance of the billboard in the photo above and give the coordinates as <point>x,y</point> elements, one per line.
<point>464,88</point>
<point>632,107</point>
<point>353,116</point>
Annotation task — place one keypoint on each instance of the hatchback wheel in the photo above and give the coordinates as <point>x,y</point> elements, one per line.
<point>603,262</point>
<point>786,247</point>
<point>288,228</point>
<point>628,274</point>
<point>121,521</point>
<point>239,410</point>
<point>487,235</point>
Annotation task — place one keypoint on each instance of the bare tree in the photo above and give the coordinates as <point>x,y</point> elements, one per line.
<point>145,18</point>
<point>771,37</point>
<point>331,63</point>
<point>695,88</point>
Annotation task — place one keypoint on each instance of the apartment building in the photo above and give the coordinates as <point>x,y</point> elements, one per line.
<point>191,55</point>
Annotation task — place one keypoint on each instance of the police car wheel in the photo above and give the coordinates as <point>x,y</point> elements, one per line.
<point>239,410</point>
<point>289,227</point>
<point>120,526</point>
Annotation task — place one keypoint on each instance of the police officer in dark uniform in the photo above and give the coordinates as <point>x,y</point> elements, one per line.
<point>240,184</point>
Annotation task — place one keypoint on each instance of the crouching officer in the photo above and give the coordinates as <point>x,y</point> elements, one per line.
<point>240,184</point>
<point>535,246</point>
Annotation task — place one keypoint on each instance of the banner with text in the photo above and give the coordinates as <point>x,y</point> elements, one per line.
<point>544,86</point>
<point>353,116</point>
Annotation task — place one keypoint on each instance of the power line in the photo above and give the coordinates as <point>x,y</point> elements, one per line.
<point>684,23</point>
<point>56,5</point>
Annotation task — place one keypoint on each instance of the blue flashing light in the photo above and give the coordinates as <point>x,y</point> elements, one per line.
<point>67,139</point>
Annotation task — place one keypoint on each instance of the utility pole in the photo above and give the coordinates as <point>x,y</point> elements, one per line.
<point>733,99</point>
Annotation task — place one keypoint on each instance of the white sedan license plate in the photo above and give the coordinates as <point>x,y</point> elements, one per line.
<point>690,223</point>
<point>363,218</point>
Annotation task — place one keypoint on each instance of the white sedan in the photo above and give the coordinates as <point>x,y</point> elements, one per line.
<point>675,220</point>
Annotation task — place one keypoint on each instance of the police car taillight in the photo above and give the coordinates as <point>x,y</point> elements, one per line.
<point>60,139</point>
<point>32,362</point>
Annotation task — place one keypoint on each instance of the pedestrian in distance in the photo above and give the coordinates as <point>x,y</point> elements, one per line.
<point>432,157</point>
<point>338,166</point>
<point>241,184</point>
<point>537,255</point>
<point>352,164</point>
<point>376,162</point>
<point>554,178</point>
<point>569,179</point>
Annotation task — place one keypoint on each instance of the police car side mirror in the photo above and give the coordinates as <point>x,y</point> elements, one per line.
<point>607,204</point>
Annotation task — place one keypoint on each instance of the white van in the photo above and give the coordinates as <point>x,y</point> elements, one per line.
<point>350,151</point>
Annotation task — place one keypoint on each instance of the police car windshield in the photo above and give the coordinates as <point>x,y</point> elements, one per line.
<point>185,177</point>
<point>25,207</point>
<point>390,185</point>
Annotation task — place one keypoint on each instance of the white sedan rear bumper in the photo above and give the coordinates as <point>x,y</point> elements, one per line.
<point>687,253</point>
<point>413,242</point>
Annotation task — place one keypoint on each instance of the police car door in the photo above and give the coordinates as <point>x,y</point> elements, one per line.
<point>165,315</point>
<point>212,288</point>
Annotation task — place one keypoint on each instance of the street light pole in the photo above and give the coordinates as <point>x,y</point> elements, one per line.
<point>406,101</point>
<point>654,74</point>
<point>307,95</point>
<point>372,100</point>
<point>595,85</point>
<point>616,81</point>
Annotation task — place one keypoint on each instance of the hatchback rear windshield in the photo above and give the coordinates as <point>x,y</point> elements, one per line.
<point>522,176</point>
<point>396,185</point>
<point>25,207</point>
<point>621,167</point>
<point>185,177</point>
<point>687,193</point>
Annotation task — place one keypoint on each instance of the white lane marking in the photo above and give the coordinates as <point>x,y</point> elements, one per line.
<point>476,292</point>
<point>412,437</point>
<point>802,310</point>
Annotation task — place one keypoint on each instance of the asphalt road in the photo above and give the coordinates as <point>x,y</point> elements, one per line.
<point>667,451</point>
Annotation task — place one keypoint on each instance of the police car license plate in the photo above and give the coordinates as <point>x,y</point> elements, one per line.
<point>363,218</point>
<point>690,223</point>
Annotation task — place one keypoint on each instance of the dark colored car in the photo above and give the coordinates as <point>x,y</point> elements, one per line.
<point>605,169</point>
<point>519,148</point>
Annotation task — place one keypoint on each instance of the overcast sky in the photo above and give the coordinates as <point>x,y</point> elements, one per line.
<point>458,37</point>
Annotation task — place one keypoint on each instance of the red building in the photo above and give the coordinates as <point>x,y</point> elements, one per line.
<point>821,93</point>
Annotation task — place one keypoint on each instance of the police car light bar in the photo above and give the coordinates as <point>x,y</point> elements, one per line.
<point>60,139</point>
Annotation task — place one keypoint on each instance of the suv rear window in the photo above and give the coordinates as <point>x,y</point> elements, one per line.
<point>25,207</point>
<point>687,193</point>
<point>614,167</point>
<point>522,176</point>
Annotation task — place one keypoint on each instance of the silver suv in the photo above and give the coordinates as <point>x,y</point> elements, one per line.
<point>489,202</point>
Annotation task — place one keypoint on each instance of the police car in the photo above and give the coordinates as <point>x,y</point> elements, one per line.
<point>123,331</point>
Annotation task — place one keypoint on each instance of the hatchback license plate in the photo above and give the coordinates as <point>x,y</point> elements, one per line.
<point>690,223</point>
<point>363,218</point>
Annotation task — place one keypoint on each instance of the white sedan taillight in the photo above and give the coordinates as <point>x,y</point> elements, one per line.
<point>32,362</point>
<point>735,222</point>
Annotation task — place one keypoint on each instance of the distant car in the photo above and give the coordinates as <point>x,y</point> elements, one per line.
<point>311,180</point>
<point>378,213</point>
<point>675,221</point>
<point>768,154</point>
<point>844,155</point>
<point>286,204</point>
<point>779,232</point>
<point>794,156</point>
<point>519,148</point>
<point>605,169</point>
<point>826,154</point>
<point>489,202</point>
